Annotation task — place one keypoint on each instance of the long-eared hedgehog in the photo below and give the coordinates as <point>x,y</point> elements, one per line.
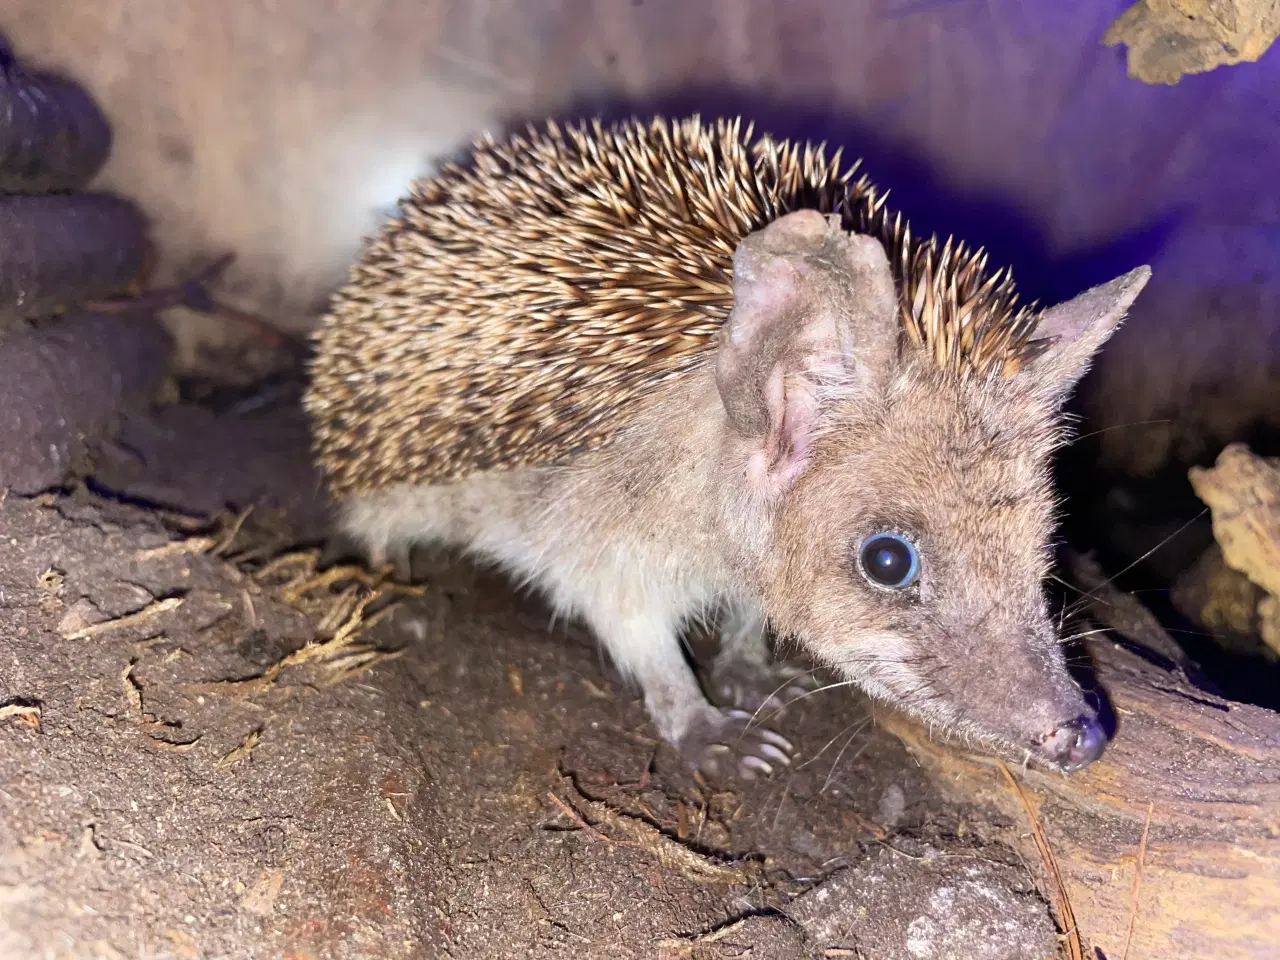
<point>668,369</point>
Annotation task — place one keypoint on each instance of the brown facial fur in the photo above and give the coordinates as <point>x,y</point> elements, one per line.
<point>960,469</point>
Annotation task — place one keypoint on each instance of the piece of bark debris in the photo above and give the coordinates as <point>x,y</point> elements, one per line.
<point>150,611</point>
<point>1242,491</point>
<point>1169,39</point>
<point>261,897</point>
<point>241,752</point>
<point>25,712</point>
<point>1224,602</point>
<point>132,692</point>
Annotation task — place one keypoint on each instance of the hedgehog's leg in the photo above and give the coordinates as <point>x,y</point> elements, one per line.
<point>744,672</point>
<point>343,546</point>
<point>376,534</point>
<point>644,644</point>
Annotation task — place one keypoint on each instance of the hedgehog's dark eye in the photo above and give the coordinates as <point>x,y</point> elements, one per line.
<point>888,561</point>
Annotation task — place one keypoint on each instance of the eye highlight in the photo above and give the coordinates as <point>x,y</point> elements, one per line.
<point>888,561</point>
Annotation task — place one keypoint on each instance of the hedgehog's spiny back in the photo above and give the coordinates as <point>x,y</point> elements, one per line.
<point>520,307</point>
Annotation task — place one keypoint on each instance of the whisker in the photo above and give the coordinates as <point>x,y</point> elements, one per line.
<point>1118,426</point>
<point>807,693</point>
<point>857,727</point>
<point>836,763</point>
<point>1107,582</point>
<point>1063,641</point>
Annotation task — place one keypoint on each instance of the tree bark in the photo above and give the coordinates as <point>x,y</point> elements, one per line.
<point>53,136</point>
<point>1204,771</point>
<point>58,250</point>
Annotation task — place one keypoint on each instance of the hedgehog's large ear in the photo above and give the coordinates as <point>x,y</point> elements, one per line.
<point>813,305</point>
<point>1079,328</point>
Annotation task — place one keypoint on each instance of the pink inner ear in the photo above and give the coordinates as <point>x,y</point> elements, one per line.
<point>756,337</point>
<point>791,455</point>
<point>782,458</point>
<point>809,300</point>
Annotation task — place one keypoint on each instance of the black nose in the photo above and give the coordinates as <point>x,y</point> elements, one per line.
<point>1076,744</point>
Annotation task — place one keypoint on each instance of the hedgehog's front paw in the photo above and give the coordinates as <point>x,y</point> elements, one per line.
<point>721,743</point>
<point>760,687</point>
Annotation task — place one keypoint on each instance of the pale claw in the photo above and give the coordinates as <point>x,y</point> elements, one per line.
<point>725,741</point>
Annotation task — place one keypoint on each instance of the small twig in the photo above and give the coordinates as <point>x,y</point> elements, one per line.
<point>392,807</point>
<point>130,845</point>
<point>1074,947</point>
<point>265,332</point>
<point>128,620</point>
<point>334,575</point>
<point>162,744</point>
<point>353,666</point>
<point>576,817</point>
<point>877,831</point>
<point>355,624</point>
<point>193,294</point>
<point>186,522</point>
<point>185,545</point>
<point>163,297</point>
<point>686,946</point>
<point>228,538</point>
<point>306,558</point>
<point>339,612</point>
<point>1137,882</point>
<point>596,693</point>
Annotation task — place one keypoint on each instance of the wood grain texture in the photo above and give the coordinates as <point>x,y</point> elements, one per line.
<point>1210,771</point>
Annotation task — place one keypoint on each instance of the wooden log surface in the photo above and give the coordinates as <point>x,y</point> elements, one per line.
<point>52,134</point>
<point>57,250</point>
<point>1205,773</point>
<point>63,386</point>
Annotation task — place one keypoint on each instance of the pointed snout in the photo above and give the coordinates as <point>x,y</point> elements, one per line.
<point>1075,744</point>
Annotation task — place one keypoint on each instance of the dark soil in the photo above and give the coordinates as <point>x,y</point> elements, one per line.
<point>488,790</point>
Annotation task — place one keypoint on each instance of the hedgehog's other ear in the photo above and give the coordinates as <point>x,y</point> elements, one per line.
<point>1079,328</point>
<point>811,305</point>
